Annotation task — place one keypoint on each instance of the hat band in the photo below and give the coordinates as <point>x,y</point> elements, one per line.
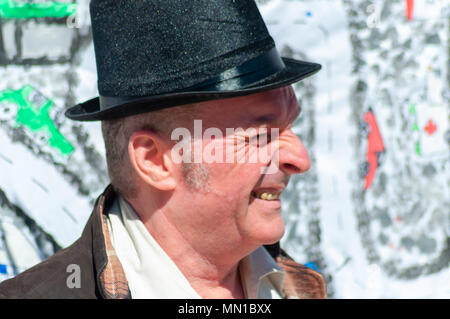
<point>236,78</point>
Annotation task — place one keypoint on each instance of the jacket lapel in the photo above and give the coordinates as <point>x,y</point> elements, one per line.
<point>301,282</point>
<point>111,278</point>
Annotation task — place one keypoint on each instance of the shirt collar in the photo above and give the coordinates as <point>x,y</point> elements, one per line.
<point>261,276</point>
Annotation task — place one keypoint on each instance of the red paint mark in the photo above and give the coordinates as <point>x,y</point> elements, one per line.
<point>431,127</point>
<point>375,146</point>
<point>398,219</point>
<point>409,9</point>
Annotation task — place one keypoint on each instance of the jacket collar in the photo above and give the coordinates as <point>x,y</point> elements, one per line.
<point>110,276</point>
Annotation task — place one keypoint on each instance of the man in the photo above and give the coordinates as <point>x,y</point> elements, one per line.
<point>196,109</point>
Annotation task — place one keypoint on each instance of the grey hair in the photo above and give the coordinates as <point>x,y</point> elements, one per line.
<point>117,133</point>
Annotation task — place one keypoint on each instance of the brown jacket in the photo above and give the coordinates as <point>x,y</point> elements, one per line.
<point>102,276</point>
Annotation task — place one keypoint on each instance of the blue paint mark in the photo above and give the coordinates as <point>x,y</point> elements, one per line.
<point>3,269</point>
<point>309,14</point>
<point>312,265</point>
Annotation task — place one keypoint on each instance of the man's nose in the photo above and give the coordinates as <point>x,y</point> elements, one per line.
<point>293,157</point>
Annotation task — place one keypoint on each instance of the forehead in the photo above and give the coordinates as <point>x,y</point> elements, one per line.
<point>277,107</point>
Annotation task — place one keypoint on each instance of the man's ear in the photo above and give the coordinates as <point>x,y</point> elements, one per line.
<point>149,158</point>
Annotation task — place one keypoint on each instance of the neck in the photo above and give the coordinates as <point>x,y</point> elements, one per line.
<point>211,270</point>
<point>217,286</point>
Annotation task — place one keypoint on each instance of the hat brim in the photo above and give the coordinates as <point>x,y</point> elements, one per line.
<point>294,71</point>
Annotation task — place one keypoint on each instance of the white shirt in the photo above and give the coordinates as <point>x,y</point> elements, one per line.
<point>152,274</point>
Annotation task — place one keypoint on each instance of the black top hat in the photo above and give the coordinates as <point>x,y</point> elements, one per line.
<point>154,54</point>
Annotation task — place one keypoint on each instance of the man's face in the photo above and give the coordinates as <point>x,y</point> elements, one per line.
<point>222,201</point>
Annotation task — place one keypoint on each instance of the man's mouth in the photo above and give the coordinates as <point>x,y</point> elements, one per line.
<point>266,195</point>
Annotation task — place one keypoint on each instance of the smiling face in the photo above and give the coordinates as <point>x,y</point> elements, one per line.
<point>234,203</point>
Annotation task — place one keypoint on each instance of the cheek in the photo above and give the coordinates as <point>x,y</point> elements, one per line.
<point>228,189</point>
<point>229,194</point>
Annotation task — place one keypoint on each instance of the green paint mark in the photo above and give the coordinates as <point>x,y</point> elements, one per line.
<point>418,149</point>
<point>34,114</point>
<point>14,9</point>
<point>415,128</point>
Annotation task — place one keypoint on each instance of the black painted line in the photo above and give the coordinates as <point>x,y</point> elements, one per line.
<point>45,189</point>
<point>6,159</point>
<point>70,215</point>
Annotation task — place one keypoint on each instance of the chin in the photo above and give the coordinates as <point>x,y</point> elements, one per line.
<point>271,234</point>
<point>273,240</point>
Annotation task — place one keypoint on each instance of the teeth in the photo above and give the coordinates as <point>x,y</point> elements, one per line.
<point>267,196</point>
